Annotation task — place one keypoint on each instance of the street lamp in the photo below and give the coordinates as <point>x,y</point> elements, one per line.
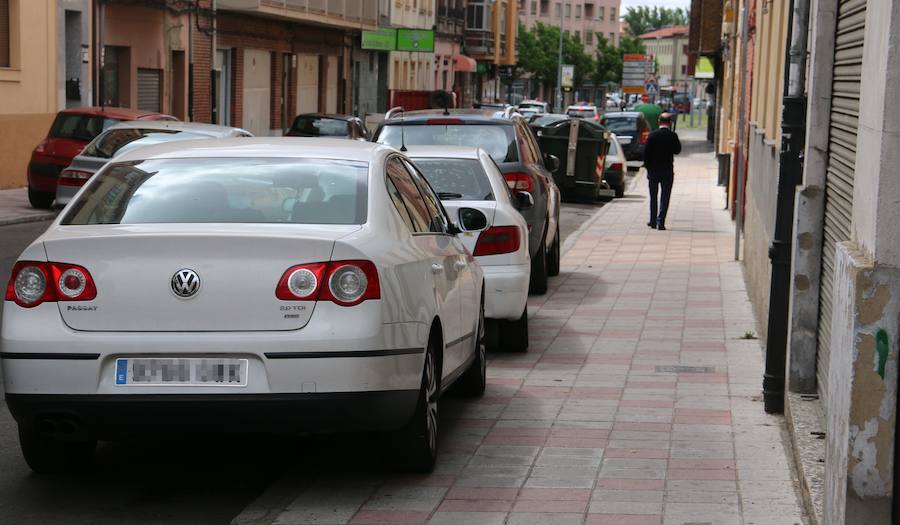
<point>559,95</point>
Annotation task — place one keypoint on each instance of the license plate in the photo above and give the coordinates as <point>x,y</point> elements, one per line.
<point>181,372</point>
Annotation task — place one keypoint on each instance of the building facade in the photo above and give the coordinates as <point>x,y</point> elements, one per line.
<point>583,19</point>
<point>835,228</point>
<point>412,71</point>
<point>491,30</point>
<point>669,46</point>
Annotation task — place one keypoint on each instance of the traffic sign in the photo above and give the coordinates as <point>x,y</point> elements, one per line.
<point>636,70</point>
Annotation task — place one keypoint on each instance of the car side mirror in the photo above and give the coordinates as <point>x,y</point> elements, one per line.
<point>551,162</point>
<point>472,220</point>
<point>524,200</point>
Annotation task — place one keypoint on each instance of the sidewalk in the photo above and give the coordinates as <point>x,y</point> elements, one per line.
<point>638,402</point>
<point>15,209</point>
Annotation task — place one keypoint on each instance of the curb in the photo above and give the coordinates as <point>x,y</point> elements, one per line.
<point>575,235</point>
<point>49,216</point>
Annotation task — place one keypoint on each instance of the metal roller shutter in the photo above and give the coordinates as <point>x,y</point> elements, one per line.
<point>846,78</point>
<point>149,89</point>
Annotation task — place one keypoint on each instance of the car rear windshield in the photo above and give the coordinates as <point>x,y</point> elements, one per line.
<point>79,127</point>
<point>581,113</point>
<point>224,190</point>
<point>457,178</point>
<point>320,127</point>
<point>628,124</point>
<point>114,141</point>
<point>498,140</point>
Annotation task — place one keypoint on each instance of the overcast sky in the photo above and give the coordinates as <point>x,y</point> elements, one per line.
<point>651,3</point>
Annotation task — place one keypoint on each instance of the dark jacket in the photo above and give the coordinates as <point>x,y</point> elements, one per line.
<point>660,150</point>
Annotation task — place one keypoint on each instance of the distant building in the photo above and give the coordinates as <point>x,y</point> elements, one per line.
<point>669,46</point>
<point>583,19</point>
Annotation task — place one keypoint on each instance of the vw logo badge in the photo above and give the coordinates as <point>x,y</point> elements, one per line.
<point>185,283</point>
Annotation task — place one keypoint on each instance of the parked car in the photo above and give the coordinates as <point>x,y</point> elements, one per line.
<point>631,129</point>
<point>333,126</point>
<point>467,180</point>
<point>615,167</point>
<point>126,136</point>
<point>585,111</point>
<point>528,108</point>
<point>508,140</point>
<point>69,134</point>
<point>243,284</point>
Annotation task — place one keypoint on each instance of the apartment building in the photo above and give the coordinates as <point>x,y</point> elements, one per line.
<point>669,46</point>
<point>491,29</point>
<point>412,70</point>
<point>583,19</point>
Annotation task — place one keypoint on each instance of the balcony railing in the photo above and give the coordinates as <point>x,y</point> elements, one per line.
<point>479,43</point>
<point>343,13</point>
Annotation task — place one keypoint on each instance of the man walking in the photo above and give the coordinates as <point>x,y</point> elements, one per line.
<point>659,152</point>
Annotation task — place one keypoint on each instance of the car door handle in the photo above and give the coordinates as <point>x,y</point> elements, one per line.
<point>460,264</point>
<point>437,268</point>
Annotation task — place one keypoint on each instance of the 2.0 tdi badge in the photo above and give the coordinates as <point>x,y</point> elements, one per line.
<point>185,283</point>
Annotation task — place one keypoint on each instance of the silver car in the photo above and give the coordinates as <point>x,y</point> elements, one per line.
<point>126,136</point>
<point>274,284</point>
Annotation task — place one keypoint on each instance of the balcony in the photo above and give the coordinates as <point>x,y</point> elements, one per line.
<point>480,44</point>
<point>349,14</point>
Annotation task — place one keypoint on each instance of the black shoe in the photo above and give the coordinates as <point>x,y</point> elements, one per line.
<point>660,226</point>
<point>652,225</point>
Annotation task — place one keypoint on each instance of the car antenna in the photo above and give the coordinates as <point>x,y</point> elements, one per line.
<point>403,131</point>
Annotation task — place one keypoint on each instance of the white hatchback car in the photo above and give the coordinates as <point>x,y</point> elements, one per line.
<point>468,180</point>
<point>282,284</point>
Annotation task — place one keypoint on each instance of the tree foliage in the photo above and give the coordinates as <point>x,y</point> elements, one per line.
<point>643,19</point>
<point>609,58</point>
<point>539,54</point>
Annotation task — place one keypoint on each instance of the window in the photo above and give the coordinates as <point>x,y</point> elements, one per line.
<point>600,12</point>
<point>229,190</point>
<point>568,10</point>
<point>533,8</point>
<point>612,14</point>
<point>577,11</point>
<point>397,199</point>
<point>612,38</point>
<point>456,178</point>
<point>5,35</point>
<point>497,139</point>
<point>578,36</point>
<point>557,12</point>
<point>412,199</point>
<point>437,222</point>
<point>589,38</point>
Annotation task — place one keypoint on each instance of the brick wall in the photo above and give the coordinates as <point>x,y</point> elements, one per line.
<point>275,93</point>
<point>237,87</point>
<point>201,106</point>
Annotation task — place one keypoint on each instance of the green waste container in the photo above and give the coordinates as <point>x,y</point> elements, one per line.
<point>581,146</point>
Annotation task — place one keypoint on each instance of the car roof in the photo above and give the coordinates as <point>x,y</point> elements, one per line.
<point>262,147</point>
<point>582,106</point>
<point>326,115</point>
<point>623,114</point>
<point>212,130</point>
<point>487,115</point>
<point>120,113</point>
<point>461,152</point>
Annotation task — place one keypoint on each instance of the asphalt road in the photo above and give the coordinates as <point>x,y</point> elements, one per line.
<point>172,480</point>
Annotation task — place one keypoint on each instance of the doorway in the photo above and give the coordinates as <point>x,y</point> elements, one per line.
<point>179,86</point>
<point>222,88</point>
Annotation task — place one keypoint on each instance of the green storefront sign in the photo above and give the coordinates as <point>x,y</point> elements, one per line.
<point>416,40</point>
<point>380,40</point>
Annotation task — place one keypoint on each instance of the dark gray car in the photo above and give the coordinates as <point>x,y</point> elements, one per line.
<point>511,143</point>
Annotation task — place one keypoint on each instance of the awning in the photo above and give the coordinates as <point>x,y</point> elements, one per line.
<point>464,64</point>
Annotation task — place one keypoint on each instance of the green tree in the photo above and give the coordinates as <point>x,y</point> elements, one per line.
<point>643,19</point>
<point>609,58</point>
<point>539,54</point>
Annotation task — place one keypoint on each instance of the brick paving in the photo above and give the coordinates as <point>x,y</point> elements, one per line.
<point>638,402</point>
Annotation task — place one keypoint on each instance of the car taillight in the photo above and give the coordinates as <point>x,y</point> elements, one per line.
<point>644,134</point>
<point>518,181</point>
<point>496,240</point>
<point>346,283</point>
<point>32,283</point>
<point>74,177</point>
<point>443,121</point>
<point>616,166</point>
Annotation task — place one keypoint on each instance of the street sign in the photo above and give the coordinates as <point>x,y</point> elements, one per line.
<point>505,71</point>
<point>704,68</point>
<point>568,75</point>
<point>415,40</point>
<point>384,39</point>
<point>635,71</point>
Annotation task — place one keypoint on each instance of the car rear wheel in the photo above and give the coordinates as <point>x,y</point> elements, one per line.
<point>514,334</point>
<point>538,284</point>
<point>40,199</point>
<point>553,256</point>
<point>474,379</point>
<point>415,445</point>
<point>46,455</point>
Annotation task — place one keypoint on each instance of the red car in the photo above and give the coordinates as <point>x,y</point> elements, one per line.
<point>71,131</point>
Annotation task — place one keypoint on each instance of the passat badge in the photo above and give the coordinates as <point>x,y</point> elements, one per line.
<point>185,283</point>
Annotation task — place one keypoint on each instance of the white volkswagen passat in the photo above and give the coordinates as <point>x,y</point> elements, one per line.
<point>473,190</point>
<point>281,284</point>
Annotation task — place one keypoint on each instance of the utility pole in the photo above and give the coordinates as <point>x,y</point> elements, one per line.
<point>559,94</point>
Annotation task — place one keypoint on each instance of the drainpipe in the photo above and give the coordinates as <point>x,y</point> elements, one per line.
<point>793,139</point>
<point>741,150</point>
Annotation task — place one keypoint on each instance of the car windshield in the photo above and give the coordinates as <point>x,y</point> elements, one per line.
<point>531,105</point>
<point>627,124</point>
<point>581,113</point>
<point>498,140</point>
<point>224,190</point>
<point>79,127</point>
<point>456,178</point>
<point>309,126</point>
<point>115,141</point>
